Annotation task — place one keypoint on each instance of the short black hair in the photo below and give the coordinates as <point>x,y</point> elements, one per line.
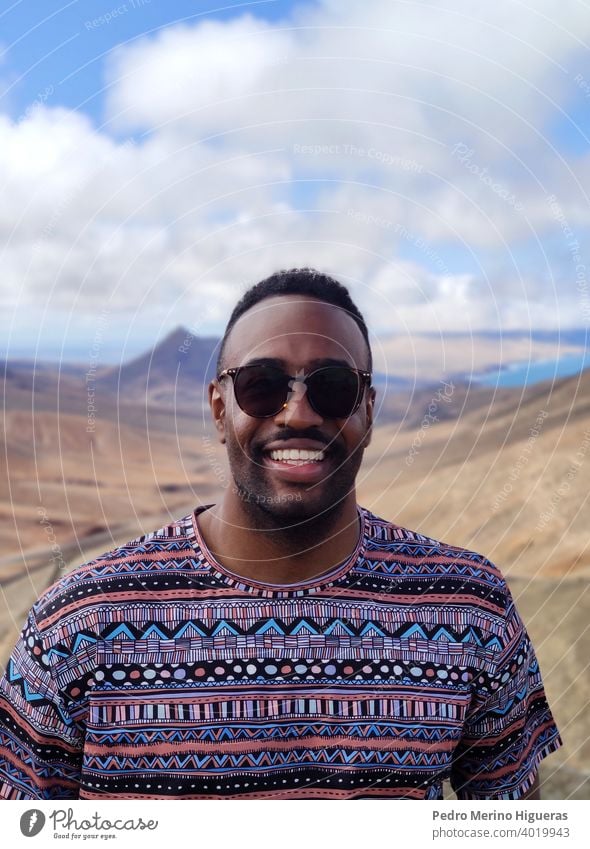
<point>297,281</point>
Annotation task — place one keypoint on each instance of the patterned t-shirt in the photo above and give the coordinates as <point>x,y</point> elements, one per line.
<point>154,672</point>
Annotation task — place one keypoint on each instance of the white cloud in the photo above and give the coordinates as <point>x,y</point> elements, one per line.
<point>184,71</point>
<point>329,139</point>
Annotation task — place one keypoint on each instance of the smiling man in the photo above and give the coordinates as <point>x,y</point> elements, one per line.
<point>285,642</point>
<point>294,405</point>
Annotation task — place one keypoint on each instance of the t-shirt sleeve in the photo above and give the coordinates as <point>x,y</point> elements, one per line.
<point>509,728</point>
<point>40,743</point>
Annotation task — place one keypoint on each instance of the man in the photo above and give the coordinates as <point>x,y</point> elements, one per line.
<point>284,642</point>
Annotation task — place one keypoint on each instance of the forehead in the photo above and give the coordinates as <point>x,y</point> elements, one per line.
<point>296,328</point>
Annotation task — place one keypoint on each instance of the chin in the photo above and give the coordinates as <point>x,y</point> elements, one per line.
<point>292,508</point>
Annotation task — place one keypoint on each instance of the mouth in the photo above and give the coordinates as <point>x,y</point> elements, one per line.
<point>305,465</point>
<point>297,456</point>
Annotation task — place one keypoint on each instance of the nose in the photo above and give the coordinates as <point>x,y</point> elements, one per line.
<point>297,411</point>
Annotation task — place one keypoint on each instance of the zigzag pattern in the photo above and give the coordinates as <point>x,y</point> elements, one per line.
<point>375,731</point>
<point>251,760</point>
<point>153,671</point>
<point>30,695</point>
<point>462,570</point>
<point>299,626</point>
<point>180,564</point>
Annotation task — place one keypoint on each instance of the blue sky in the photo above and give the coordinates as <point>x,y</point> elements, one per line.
<point>64,45</point>
<point>159,158</point>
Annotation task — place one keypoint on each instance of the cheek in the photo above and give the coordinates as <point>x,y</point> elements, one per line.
<point>240,433</point>
<point>362,439</point>
<point>356,430</point>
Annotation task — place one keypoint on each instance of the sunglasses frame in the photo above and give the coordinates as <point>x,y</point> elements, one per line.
<point>365,377</point>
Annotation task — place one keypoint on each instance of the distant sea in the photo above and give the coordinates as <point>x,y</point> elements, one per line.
<point>527,373</point>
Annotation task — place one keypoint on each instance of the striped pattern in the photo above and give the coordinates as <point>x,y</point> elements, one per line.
<point>153,672</point>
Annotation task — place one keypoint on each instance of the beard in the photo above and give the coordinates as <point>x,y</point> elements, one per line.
<point>304,514</point>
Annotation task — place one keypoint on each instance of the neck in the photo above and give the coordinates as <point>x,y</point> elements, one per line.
<point>255,544</point>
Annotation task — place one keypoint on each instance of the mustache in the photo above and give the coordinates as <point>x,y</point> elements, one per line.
<point>290,433</point>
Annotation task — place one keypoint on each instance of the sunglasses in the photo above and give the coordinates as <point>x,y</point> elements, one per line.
<point>262,391</point>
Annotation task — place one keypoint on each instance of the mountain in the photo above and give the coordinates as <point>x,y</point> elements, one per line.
<point>181,362</point>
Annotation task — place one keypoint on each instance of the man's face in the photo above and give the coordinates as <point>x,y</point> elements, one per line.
<point>300,334</point>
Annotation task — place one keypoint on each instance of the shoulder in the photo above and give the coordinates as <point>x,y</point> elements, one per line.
<point>382,533</point>
<point>94,581</point>
<point>405,553</point>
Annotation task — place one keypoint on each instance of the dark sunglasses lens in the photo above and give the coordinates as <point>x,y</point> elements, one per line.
<point>335,392</point>
<point>261,391</point>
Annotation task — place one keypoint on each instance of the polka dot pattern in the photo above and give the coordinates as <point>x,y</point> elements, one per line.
<point>196,685</point>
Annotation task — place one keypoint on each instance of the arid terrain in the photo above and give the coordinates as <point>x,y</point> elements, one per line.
<point>504,472</point>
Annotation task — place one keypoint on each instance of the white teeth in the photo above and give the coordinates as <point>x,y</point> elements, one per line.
<point>297,454</point>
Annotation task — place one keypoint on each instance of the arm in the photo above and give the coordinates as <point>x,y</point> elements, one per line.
<point>40,745</point>
<point>509,727</point>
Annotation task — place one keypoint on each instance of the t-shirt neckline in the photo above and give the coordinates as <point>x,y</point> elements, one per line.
<point>317,582</point>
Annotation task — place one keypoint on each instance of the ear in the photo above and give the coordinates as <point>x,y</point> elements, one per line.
<point>369,412</point>
<point>217,405</point>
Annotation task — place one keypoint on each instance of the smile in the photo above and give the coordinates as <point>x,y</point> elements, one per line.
<point>297,456</point>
